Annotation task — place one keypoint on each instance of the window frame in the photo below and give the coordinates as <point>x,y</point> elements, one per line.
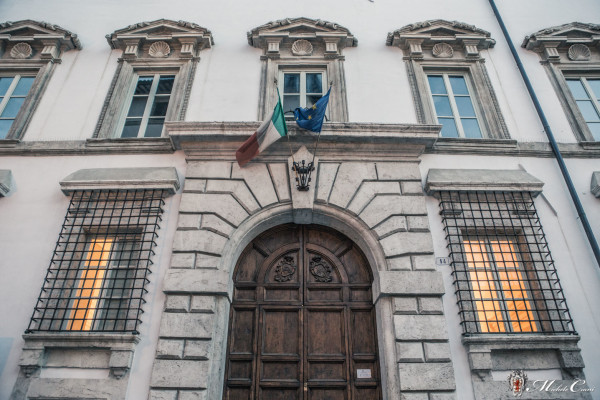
<point>6,97</point>
<point>148,108</point>
<point>302,71</point>
<point>574,115</point>
<point>446,74</point>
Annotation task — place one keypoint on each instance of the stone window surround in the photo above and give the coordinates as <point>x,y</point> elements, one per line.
<point>120,346</point>
<point>6,182</point>
<point>554,46</point>
<point>157,47</point>
<point>457,50</point>
<point>487,353</point>
<point>32,48</point>
<point>595,183</point>
<point>277,39</point>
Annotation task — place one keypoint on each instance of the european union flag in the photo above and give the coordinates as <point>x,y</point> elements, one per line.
<point>311,118</point>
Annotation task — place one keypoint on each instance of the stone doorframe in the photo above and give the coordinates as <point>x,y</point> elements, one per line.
<point>371,193</point>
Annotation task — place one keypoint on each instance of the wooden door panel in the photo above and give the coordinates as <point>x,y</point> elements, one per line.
<point>334,371</point>
<point>281,371</point>
<point>325,332</point>
<point>242,330</point>
<point>281,334</point>
<point>277,393</point>
<point>363,332</point>
<point>315,393</point>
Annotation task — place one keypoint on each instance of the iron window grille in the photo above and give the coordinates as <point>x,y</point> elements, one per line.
<point>502,269</point>
<point>98,274</point>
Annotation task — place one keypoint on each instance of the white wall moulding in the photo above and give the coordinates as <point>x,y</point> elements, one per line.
<point>122,178</point>
<point>303,44</point>
<point>595,184</point>
<point>481,179</point>
<point>29,51</point>
<point>6,182</point>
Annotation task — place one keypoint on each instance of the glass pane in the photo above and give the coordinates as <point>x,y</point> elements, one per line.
<point>312,99</point>
<point>459,86</point>
<point>577,89</point>
<point>23,86</point>
<point>291,83</point>
<point>442,106</point>
<point>154,128</point>
<point>12,107</point>
<point>138,104</point>
<point>436,84</point>
<point>159,108</point>
<point>465,107</point>
<point>290,103</point>
<point>131,128</point>
<point>471,128</point>
<point>595,85</point>
<point>314,83</point>
<point>4,127</point>
<point>165,84</point>
<point>587,110</point>
<point>5,82</point>
<point>448,127</point>
<point>594,128</point>
<point>144,84</point>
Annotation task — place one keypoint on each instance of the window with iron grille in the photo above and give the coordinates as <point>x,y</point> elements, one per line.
<point>503,272</point>
<point>98,274</point>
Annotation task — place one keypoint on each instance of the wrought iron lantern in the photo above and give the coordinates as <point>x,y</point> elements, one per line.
<point>303,174</point>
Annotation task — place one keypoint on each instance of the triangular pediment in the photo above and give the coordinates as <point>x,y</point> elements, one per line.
<point>437,28</point>
<point>572,30</point>
<point>559,39</point>
<point>29,30</point>
<point>294,28</point>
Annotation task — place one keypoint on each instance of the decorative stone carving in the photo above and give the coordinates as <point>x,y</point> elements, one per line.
<point>285,270</point>
<point>442,50</point>
<point>159,50</point>
<point>579,52</point>
<point>21,51</point>
<point>320,269</point>
<point>302,48</point>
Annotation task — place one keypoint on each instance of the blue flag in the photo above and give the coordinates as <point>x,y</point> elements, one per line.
<point>311,118</point>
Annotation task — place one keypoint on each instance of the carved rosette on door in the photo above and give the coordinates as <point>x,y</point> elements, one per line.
<point>302,321</point>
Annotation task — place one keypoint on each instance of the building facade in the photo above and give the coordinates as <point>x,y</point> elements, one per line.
<point>435,254</point>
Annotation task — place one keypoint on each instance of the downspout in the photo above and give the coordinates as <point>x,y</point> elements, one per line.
<point>563,168</point>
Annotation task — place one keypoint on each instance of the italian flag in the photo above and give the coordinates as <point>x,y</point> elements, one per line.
<point>268,133</point>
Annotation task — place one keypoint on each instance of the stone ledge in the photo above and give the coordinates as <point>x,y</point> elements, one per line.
<point>6,182</point>
<point>122,178</point>
<point>595,184</point>
<point>481,179</point>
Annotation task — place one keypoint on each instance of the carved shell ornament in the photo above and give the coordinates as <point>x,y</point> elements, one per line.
<point>579,52</point>
<point>285,270</point>
<point>302,48</point>
<point>442,50</point>
<point>159,50</point>
<point>21,51</point>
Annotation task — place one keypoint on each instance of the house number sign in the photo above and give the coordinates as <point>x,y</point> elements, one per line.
<point>363,373</point>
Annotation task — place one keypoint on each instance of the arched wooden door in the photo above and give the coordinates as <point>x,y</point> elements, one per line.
<point>302,322</point>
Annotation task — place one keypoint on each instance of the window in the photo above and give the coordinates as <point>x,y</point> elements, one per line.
<point>301,89</point>
<point>148,108</point>
<point>453,106</point>
<point>153,80</point>
<point>13,91</point>
<point>503,272</point>
<point>30,52</point>
<point>586,92</point>
<point>97,277</point>
<point>448,79</point>
<point>302,57</point>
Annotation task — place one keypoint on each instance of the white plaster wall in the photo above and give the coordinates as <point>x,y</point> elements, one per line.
<point>577,269</point>
<point>32,217</point>
<point>226,85</point>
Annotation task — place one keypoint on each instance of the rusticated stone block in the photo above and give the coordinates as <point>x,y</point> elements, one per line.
<point>183,260</point>
<point>396,223</point>
<point>385,205</point>
<point>437,351</point>
<point>203,304</point>
<point>224,205</point>
<point>163,395</point>
<point>426,376</point>
<point>420,327</point>
<point>412,187</point>
<point>407,242</point>
<point>368,190</point>
<point>409,351</point>
<point>205,241</point>
<point>399,263</point>
<point>208,169</point>
<point>186,325</point>
<point>431,305</point>
<point>404,283</point>
<point>192,395</point>
<point>398,171</point>
<point>177,303</point>
<point>190,374</point>
<point>197,349</point>
<point>170,348</point>
<point>423,263</point>
<point>196,281</point>
<point>405,305</point>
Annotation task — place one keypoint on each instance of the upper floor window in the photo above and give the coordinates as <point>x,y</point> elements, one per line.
<point>573,65</point>
<point>301,88</point>
<point>13,92</point>
<point>586,93</point>
<point>453,106</point>
<point>449,80</point>
<point>31,52</point>
<point>302,57</point>
<point>148,108</point>
<point>154,77</point>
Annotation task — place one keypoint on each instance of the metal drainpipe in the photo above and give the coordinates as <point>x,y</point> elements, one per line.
<point>553,144</point>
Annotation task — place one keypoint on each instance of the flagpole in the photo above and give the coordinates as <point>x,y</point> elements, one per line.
<point>318,137</point>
